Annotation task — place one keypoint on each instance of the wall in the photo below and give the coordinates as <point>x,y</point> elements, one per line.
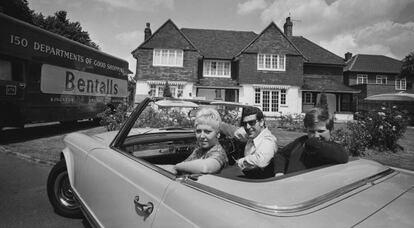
<point>293,98</point>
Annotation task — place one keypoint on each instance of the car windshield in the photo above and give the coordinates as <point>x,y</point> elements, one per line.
<point>164,132</point>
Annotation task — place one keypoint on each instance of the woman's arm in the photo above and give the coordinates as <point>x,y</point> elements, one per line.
<point>208,165</point>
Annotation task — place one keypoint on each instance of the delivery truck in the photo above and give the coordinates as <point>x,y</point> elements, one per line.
<point>45,77</point>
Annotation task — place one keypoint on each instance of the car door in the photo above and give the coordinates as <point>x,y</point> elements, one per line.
<point>120,191</point>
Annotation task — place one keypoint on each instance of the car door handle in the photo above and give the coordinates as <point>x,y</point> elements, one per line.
<point>143,209</point>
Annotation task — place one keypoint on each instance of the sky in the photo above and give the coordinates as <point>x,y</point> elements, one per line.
<point>381,27</point>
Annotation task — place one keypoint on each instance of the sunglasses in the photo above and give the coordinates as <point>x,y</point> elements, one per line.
<point>250,122</point>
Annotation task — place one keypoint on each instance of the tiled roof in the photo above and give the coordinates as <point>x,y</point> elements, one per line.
<point>220,44</point>
<point>373,63</point>
<point>315,53</point>
<point>326,84</point>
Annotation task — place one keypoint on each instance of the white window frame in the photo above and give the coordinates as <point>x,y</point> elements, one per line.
<point>308,95</point>
<point>381,79</point>
<point>283,96</point>
<point>168,57</point>
<point>362,79</point>
<point>268,99</point>
<point>157,90</point>
<point>401,84</point>
<point>221,69</point>
<point>271,62</point>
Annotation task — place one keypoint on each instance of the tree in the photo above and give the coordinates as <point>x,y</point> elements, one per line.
<point>59,24</point>
<point>18,9</point>
<point>407,68</point>
<point>167,91</point>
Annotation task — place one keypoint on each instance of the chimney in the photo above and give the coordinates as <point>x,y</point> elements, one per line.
<point>287,27</point>
<point>147,32</point>
<point>348,56</point>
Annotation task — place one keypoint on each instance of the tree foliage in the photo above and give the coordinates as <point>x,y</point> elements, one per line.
<point>18,9</point>
<point>407,68</point>
<point>58,23</point>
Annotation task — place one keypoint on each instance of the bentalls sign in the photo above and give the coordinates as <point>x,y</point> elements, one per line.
<point>59,80</point>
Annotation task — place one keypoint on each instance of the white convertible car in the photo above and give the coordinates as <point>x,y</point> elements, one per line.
<point>115,179</point>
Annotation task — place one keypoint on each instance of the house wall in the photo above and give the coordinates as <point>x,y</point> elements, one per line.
<point>145,69</point>
<point>333,71</point>
<point>350,78</point>
<point>293,98</point>
<point>248,73</point>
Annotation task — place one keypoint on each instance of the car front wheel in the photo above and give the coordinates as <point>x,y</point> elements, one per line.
<point>60,192</point>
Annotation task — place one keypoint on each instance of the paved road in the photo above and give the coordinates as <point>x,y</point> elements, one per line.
<point>23,197</point>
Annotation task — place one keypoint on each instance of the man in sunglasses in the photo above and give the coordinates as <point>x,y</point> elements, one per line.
<point>311,150</point>
<point>257,160</point>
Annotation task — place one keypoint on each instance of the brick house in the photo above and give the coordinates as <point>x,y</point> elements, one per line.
<point>374,74</point>
<point>273,70</point>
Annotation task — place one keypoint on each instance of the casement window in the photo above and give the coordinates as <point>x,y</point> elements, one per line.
<point>381,79</point>
<point>216,68</point>
<point>158,90</point>
<point>309,98</point>
<point>257,95</point>
<point>362,79</point>
<point>283,97</point>
<point>153,90</point>
<point>168,57</point>
<point>400,84</point>
<point>267,99</point>
<point>271,62</point>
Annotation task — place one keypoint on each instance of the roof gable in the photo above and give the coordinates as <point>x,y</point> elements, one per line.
<point>373,63</point>
<point>272,40</point>
<point>168,36</point>
<point>218,44</point>
<point>315,53</point>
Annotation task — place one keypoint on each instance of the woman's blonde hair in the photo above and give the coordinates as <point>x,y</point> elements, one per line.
<point>208,116</point>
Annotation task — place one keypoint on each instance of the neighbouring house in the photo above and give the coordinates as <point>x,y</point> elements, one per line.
<point>273,70</point>
<point>374,74</point>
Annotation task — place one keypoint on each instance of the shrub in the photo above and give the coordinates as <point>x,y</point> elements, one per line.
<point>376,129</point>
<point>291,122</point>
<point>386,126</point>
<point>112,118</point>
<point>355,138</point>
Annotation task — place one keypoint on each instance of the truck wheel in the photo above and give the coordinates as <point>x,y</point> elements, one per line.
<point>60,192</point>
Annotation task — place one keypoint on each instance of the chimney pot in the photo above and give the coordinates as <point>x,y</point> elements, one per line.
<point>348,56</point>
<point>147,31</point>
<point>288,27</point>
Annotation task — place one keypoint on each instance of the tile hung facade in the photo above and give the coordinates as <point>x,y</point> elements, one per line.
<point>273,70</point>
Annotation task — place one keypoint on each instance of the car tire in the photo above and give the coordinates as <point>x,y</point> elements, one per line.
<point>60,193</point>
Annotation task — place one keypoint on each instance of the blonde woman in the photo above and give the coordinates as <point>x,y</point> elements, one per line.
<point>209,156</point>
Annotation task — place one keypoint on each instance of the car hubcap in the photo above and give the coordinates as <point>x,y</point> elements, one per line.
<point>64,192</point>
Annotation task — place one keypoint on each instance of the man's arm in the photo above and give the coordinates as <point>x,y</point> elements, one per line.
<point>261,157</point>
<point>327,151</point>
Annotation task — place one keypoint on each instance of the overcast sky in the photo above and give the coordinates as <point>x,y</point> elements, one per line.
<point>383,27</point>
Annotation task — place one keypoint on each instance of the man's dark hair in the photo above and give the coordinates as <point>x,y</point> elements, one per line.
<point>316,115</point>
<point>247,111</point>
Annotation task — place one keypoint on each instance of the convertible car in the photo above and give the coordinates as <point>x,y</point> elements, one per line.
<point>117,179</point>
